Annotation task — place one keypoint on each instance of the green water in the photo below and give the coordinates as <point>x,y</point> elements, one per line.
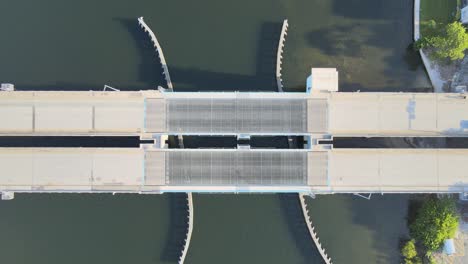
<point>355,230</point>
<point>209,45</point>
<point>84,228</point>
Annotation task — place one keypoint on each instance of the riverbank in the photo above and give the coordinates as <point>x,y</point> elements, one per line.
<point>427,208</point>
<point>426,12</point>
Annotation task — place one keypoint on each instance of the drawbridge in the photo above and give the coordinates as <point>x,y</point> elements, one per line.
<point>321,113</point>
<point>152,112</point>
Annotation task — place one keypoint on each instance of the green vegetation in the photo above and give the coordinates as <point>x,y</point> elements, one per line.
<point>437,11</point>
<point>430,258</point>
<point>449,42</point>
<point>409,250</point>
<point>441,31</point>
<point>431,221</point>
<point>435,221</point>
<point>409,253</point>
<point>416,260</point>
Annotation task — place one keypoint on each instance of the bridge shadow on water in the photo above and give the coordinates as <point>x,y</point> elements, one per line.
<point>263,80</point>
<point>178,227</point>
<point>293,215</point>
<point>149,70</point>
<point>190,79</point>
<point>150,73</point>
<point>65,86</point>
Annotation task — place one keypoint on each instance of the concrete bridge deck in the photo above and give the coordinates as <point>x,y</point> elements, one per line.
<point>71,113</point>
<point>397,114</point>
<point>152,112</point>
<point>182,170</point>
<point>395,170</point>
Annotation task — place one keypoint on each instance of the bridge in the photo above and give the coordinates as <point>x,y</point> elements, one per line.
<point>155,114</point>
<point>158,170</point>
<point>321,113</point>
<point>148,170</point>
<point>149,113</point>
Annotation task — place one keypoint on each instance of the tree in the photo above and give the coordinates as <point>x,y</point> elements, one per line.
<point>409,250</point>
<point>415,260</point>
<point>450,42</point>
<point>435,221</point>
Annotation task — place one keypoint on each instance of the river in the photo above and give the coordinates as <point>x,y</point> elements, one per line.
<point>209,45</point>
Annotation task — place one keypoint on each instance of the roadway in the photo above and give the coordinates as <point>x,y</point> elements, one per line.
<point>146,113</point>
<point>141,170</point>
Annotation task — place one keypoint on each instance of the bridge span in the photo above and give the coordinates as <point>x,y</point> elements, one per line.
<point>140,170</point>
<point>146,113</point>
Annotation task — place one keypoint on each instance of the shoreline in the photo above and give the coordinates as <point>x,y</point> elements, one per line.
<point>431,68</point>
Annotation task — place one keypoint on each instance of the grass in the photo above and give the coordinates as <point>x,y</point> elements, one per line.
<point>440,11</point>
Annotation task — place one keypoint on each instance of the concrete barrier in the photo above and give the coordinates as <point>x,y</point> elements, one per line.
<point>417,7</point>
<point>312,232</point>
<point>279,55</point>
<point>433,72</point>
<point>159,51</point>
